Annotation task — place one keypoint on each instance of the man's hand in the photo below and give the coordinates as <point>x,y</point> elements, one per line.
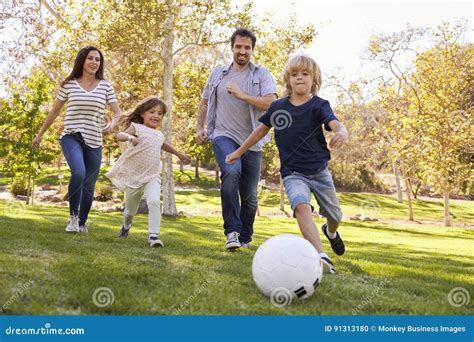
<point>201,136</point>
<point>234,89</point>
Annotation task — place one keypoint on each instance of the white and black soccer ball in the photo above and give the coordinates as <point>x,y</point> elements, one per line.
<point>287,262</point>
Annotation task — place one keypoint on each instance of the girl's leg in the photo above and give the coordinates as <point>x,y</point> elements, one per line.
<point>132,201</point>
<point>152,195</point>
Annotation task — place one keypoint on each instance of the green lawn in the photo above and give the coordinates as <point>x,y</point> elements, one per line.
<point>389,268</point>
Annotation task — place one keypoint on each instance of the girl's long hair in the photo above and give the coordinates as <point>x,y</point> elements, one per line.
<point>79,64</point>
<point>147,103</point>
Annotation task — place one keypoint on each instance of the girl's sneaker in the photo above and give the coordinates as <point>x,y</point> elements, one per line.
<point>73,225</point>
<point>83,229</point>
<point>155,242</point>
<point>123,232</point>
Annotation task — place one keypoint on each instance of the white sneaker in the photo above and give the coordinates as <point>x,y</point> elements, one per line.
<point>83,229</point>
<point>245,245</point>
<point>155,242</point>
<point>232,241</point>
<point>73,225</point>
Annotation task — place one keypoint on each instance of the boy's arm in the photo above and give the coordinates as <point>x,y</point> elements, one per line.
<point>340,134</point>
<point>183,157</point>
<point>254,138</point>
<point>128,135</point>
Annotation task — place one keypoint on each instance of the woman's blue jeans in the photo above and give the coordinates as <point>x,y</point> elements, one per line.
<point>84,163</point>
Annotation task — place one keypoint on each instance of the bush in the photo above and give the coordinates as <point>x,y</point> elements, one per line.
<point>356,177</point>
<point>19,187</point>
<point>104,192</point>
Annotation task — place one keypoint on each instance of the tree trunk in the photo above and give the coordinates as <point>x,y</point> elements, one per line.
<point>282,195</point>
<point>396,171</point>
<point>217,180</point>
<point>196,169</point>
<point>169,203</point>
<point>410,204</point>
<point>447,216</point>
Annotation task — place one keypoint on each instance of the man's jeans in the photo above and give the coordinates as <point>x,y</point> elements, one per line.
<point>84,163</point>
<point>241,179</point>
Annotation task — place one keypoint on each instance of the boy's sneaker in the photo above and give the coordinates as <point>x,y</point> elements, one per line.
<point>123,232</point>
<point>83,229</point>
<point>232,241</point>
<point>328,266</point>
<point>155,242</point>
<point>73,225</point>
<point>337,244</point>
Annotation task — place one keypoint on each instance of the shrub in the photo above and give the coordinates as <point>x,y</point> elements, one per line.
<point>104,192</point>
<point>19,187</point>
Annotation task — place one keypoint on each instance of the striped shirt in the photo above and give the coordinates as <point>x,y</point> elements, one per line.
<point>85,110</point>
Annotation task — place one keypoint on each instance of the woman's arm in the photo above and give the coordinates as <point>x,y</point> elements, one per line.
<point>48,121</point>
<point>115,119</point>
<point>254,138</point>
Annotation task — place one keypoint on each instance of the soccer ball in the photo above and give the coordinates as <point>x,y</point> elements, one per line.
<point>287,266</point>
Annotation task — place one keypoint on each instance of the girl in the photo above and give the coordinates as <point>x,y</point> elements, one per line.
<point>137,171</point>
<point>87,94</point>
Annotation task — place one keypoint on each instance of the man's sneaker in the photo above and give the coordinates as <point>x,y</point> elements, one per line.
<point>245,245</point>
<point>232,241</point>
<point>83,229</point>
<point>155,242</point>
<point>328,266</point>
<point>123,232</point>
<point>337,244</point>
<point>73,225</point>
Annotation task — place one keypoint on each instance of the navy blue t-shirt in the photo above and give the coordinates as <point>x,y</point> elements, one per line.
<point>299,134</point>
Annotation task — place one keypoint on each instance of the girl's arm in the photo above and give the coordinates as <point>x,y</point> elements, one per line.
<point>183,157</point>
<point>254,138</point>
<point>48,121</point>
<point>128,135</point>
<point>118,113</point>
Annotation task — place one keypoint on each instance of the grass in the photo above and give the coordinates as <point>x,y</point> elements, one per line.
<point>390,268</point>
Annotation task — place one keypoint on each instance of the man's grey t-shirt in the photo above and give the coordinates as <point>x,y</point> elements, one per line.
<point>233,115</point>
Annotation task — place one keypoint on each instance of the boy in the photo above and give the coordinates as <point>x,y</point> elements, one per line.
<point>304,156</point>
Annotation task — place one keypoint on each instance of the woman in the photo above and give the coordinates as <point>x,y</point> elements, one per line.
<point>87,93</point>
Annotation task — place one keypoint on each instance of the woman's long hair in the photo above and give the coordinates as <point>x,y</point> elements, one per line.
<point>79,64</point>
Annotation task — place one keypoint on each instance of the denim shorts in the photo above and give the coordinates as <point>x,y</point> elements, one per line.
<point>298,188</point>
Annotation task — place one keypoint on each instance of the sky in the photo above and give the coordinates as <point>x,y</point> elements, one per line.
<point>344,27</point>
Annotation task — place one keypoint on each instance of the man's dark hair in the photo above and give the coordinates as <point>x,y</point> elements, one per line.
<point>243,33</point>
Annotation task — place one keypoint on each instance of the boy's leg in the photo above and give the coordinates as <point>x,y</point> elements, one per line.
<point>303,213</point>
<point>323,188</point>
<point>248,189</point>
<point>152,194</point>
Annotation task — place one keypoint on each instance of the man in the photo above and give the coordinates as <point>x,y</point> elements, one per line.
<point>235,97</point>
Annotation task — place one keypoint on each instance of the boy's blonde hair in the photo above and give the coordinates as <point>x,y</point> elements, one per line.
<point>302,62</point>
